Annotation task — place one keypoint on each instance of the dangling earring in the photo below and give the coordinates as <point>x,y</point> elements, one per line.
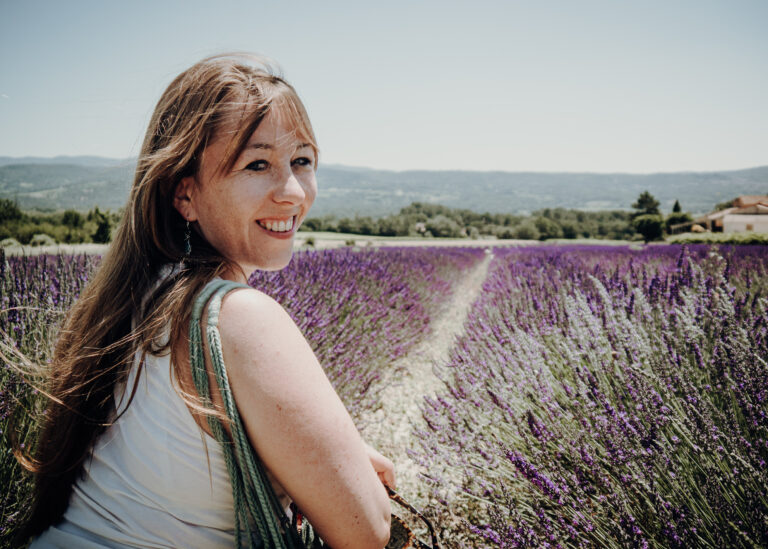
<point>187,241</point>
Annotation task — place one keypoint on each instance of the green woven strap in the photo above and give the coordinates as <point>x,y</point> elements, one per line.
<point>258,512</point>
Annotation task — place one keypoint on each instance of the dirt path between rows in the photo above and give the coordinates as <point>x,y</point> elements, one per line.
<point>391,427</point>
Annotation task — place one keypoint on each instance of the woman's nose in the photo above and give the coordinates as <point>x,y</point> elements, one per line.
<point>289,189</point>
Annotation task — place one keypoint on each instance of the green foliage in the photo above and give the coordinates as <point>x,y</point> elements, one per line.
<point>570,229</point>
<point>70,226</point>
<point>675,218</point>
<point>650,226</point>
<point>444,226</point>
<point>724,205</point>
<point>312,224</point>
<point>547,228</point>
<point>611,224</point>
<point>9,210</point>
<point>526,231</point>
<point>393,226</point>
<point>103,232</point>
<point>423,219</point>
<point>677,208</point>
<point>646,204</point>
<point>72,219</point>
<point>357,225</point>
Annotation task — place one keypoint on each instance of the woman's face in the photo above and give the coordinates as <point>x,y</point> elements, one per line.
<point>251,214</point>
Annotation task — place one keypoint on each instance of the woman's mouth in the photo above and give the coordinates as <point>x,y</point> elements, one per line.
<point>278,225</point>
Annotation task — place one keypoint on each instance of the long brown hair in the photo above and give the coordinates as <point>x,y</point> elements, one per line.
<point>116,316</point>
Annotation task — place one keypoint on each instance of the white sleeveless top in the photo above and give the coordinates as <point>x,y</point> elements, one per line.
<point>148,483</point>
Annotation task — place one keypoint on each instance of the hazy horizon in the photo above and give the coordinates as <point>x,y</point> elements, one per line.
<point>321,164</point>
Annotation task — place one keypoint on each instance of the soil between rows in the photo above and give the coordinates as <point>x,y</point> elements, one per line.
<point>389,429</point>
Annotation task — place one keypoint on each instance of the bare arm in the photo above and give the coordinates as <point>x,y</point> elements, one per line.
<point>299,426</point>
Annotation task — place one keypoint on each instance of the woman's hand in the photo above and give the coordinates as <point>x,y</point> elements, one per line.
<point>382,465</point>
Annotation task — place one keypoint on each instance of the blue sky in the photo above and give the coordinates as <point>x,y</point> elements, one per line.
<point>602,86</point>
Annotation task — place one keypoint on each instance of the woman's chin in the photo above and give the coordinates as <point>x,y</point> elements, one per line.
<point>270,264</point>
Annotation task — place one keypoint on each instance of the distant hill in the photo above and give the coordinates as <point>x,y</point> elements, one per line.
<point>62,186</point>
<point>84,182</point>
<point>77,160</point>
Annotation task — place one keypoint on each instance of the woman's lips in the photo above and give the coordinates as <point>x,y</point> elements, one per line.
<point>278,227</point>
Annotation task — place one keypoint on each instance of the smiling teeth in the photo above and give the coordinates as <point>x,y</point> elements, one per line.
<point>277,226</point>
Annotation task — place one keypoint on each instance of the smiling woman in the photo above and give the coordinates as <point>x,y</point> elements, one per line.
<point>251,213</point>
<point>125,457</point>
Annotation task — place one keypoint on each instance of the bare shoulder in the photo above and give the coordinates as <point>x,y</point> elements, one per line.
<point>250,304</point>
<point>256,329</point>
<point>298,425</point>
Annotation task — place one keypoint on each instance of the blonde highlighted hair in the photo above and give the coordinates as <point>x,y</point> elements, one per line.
<point>122,310</point>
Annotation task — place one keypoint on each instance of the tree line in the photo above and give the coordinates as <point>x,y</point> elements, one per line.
<point>418,219</point>
<point>69,226</point>
<point>433,220</point>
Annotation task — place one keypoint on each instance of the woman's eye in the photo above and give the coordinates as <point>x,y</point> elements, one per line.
<point>257,165</point>
<point>302,161</point>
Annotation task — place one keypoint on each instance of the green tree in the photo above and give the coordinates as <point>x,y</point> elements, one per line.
<point>646,205</point>
<point>649,225</point>
<point>570,229</point>
<point>547,227</point>
<point>392,225</point>
<point>443,226</point>
<point>102,235</point>
<point>526,231</point>
<point>72,219</point>
<point>724,205</point>
<point>312,224</point>
<point>9,210</point>
<point>347,225</point>
<point>675,218</point>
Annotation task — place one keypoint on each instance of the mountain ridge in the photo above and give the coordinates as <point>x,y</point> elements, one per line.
<point>82,182</point>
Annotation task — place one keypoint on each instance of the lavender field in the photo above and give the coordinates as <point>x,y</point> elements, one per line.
<point>607,397</point>
<point>360,310</point>
<point>598,396</point>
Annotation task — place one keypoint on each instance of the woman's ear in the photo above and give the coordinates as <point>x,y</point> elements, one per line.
<point>183,198</point>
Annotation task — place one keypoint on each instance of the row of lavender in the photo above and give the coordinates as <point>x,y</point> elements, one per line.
<point>360,309</point>
<point>608,398</point>
<point>34,294</point>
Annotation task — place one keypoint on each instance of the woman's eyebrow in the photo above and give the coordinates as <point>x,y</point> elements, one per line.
<point>259,146</point>
<point>270,147</point>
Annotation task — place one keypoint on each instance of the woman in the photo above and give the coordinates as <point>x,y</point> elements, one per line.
<point>225,176</point>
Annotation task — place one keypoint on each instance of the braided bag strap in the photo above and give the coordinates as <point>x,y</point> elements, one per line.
<point>258,513</point>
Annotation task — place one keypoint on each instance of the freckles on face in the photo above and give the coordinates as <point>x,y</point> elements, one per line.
<point>250,214</point>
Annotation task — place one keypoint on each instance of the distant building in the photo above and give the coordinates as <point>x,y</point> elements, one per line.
<point>750,218</point>
<point>748,213</point>
<point>713,222</point>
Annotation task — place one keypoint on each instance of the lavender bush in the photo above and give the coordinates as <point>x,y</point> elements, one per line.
<point>34,294</point>
<point>608,398</point>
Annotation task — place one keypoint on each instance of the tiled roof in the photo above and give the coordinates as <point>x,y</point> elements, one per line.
<point>749,199</point>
